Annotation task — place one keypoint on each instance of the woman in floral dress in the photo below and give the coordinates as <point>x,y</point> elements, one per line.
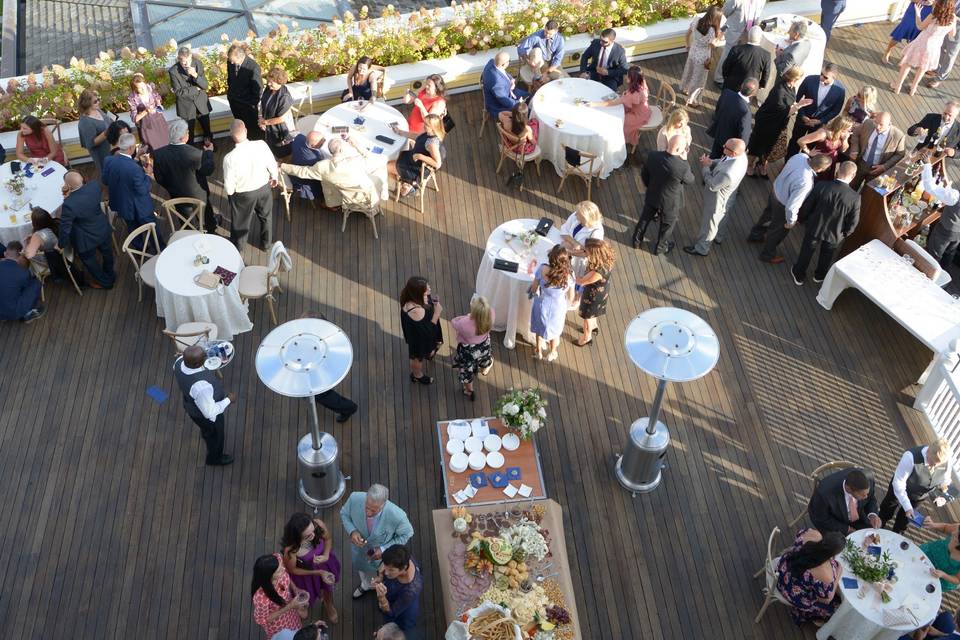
<point>702,36</point>
<point>808,575</point>
<point>276,605</point>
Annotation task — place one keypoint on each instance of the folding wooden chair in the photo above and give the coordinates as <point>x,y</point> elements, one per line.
<point>144,262</point>
<point>183,225</point>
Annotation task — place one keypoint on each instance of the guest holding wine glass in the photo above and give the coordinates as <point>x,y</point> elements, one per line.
<point>309,559</point>
<point>278,604</point>
<point>420,321</point>
<point>808,576</point>
<point>473,344</point>
<point>552,291</point>
<point>432,98</point>
<point>36,144</point>
<point>593,297</point>
<point>771,135</point>
<point>398,588</point>
<point>146,111</point>
<point>944,553</point>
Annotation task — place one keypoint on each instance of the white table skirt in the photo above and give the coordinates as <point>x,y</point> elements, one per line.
<point>594,130</point>
<point>815,35</point>
<point>862,618</point>
<point>507,291</point>
<point>41,191</point>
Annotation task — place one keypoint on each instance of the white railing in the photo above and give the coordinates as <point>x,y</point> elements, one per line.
<point>939,399</point>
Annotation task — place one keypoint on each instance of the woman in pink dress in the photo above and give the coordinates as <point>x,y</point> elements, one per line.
<point>636,111</point>
<point>923,54</point>
<point>309,559</point>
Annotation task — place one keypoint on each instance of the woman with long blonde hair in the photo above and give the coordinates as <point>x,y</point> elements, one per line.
<point>677,124</point>
<point>427,149</point>
<point>593,298</point>
<point>473,343</point>
<point>923,54</point>
<point>830,140</point>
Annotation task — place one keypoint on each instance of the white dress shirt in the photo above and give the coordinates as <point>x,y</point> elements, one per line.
<point>904,469</point>
<point>202,393</point>
<point>822,91</point>
<point>943,130</point>
<point>946,195</point>
<point>248,167</point>
<point>793,184</point>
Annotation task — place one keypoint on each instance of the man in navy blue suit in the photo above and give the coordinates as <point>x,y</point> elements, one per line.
<point>828,96</point>
<point>499,88</point>
<point>129,185</point>
<point>604,61</point>
<point>19,290</point>
<point>732,118</point>
<point>84,227</point>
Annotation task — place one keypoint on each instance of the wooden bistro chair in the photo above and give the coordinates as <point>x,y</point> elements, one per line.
<point>190,333</point>
<point>361,201</point>
<point>112,220</point>
<point>770,591</point>
<point>484,116</point>
<point>286,191</point>
<point>816,476</point>
<point>588,169</point>
<point>661,105</point>
<point>54,125</point>
<point>42,271</point>
<point>513,151</point>
<point>144,262</point>
<point>257,281</point>
<point>428,178</point>
<point>182,225</point>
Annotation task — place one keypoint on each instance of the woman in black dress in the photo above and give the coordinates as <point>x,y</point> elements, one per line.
<point>770,132</point>
<point>427,148</point>
<point>364,82</point>
<point>593,298</point>
<point>276,113</point>
<point>420,322</point>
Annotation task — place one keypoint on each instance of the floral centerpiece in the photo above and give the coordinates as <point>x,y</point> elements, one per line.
<point>523,411</point>
<point>16,185</point>
<point>875,569</point>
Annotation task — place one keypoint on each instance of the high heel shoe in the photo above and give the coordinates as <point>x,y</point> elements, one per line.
<point>421,379</point>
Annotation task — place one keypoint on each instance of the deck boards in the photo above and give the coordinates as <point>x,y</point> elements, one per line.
<point>112,523</point>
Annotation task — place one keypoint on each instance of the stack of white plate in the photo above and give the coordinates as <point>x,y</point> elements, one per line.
<point>458,462</point>
<point>477,460</point>
<point>472,444</point>
<point>510,441</point>
<point>454,446</point>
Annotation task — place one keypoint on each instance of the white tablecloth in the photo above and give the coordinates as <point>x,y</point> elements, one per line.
<point>778,38</point>
<point>507,291</point>
<point>41,191</point>
<point>594,130</point>
<point>862,617</point>
<point>180,299</point>
<point>377,119</point>
<point>900,290</point>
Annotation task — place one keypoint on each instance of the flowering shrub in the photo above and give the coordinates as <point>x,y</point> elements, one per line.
<point>330,49</point>
<point>523,411</point>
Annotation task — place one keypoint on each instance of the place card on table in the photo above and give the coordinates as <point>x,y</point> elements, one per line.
<point>513,473</point>
<point>510,490</point>
<point>459,497</point>
<point>525,491</point>
<point>850,583</point>
<point>469,491</point>
<point>497,480</point>
<point>478,480</point>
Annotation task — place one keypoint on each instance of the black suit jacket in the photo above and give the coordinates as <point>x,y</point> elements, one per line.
<point>831,211</point>
<point>182,170</point>
<point>244,84</point>
<point>732,119</point>
<point>83,225</point>
<point>191,92</point>
<point>664,176</point>
<point>931,122</point>
<point>616,64</point>
<point>746,61</point>
<point>828,507</point>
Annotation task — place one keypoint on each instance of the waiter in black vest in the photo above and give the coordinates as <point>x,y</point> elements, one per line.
<point>920,471</point>
<point>204,401</point>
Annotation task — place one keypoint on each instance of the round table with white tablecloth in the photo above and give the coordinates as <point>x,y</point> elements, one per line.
<point>40,191</point>
<point>777,37</point>
<point>181,300</point>
<point>377,118</point>
<point>507,291</point>
<point>864,616</point>
<point>597,130</point>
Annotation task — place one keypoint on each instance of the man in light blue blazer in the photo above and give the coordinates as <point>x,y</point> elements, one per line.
<point>373,524</point>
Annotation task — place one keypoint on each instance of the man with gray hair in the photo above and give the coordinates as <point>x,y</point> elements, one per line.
<point>249,174</point>
<point>128,185</point>
<point>189,83</point>
<point>182,170</point>
<point>389,631</point>
<point>374,524</point>
<point>740,15</point>
<point>748,60</point>
<point>351,172</point>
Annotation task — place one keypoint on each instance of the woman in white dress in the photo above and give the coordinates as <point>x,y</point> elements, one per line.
<point>585,222</point>
<point>703,35</point>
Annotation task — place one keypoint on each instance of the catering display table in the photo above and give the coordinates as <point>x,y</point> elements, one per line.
<point>524,460</point>
<point>462,589</point>
<point>377,118</point>
<point>597,130</point>
<point>181,300</point>
<point>40,191</point>
<point>920,306</point>
<point>864,616</point>
<point>506,291</point>
<point>777,37</point>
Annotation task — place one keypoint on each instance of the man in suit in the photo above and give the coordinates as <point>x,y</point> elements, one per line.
<point>189,83</point>
<point>831,212</point>
<point>128,185</point>
<point>85,228</point>
<point>500,91</point>
<point>244,86</point>
<point>740,16</point>
<point>374,524</point>
<point>876,147</point>
<point>920,472</point>
<point>732,118</point>
<point>182,170</point>
<point>204,401</point>
<point>830,11</point>
<point>721,177</point>
<point>944,237</point>
<point>939,130</point>
<point>748,60</point>
<point>604,61</point>
<point>828,96</point>
<point>249,176</point>
<point>797,49</point>
<point>664,173</point>
<point>551,44</point>
<point>844,502</point>
<point>19,290</point>
<point>350,168</point>
<point>306,151</point>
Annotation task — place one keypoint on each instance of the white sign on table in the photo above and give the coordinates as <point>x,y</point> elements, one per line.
<point>180,299</point>
<point>41,189</point>
<point>507,291</point>
<point>563,122</point>
<point>864,616</point>
<point>815,35</point>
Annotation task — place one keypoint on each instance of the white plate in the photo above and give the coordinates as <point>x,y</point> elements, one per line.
<point>510,441</point>
<point>480,429</point>
<point>458,462</point>
<point>213,362</point>
<point>492,443</point>
<point>454,446</point>
<point>477,460</point>
<point>495,459</point>
<point>458,430</point>
<point>472,444</point>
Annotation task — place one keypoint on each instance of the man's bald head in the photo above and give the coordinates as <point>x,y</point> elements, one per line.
<point>675,145</point>
<point>502,59</point>
<point>238,131</point>
<point>736,147</point>
<point>73,180</point>
<point>882,120</point>
<point>314,139</point>
<point>194,356</point>
<point>335,145</point>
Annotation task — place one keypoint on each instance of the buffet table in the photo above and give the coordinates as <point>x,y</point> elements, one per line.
<point>462,589</point>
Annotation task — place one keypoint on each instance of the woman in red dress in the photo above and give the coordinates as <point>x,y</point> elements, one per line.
<point>431,99</point>
<point>34,141</point>
<point>830,140</point>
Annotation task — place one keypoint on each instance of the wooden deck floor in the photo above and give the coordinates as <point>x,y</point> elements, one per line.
<point>112,527</point>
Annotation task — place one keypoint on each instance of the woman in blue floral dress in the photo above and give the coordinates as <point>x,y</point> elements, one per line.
<point>808,575</point>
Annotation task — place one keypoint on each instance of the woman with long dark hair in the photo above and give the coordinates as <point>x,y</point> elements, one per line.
<point>552,291</point>
<point>420,321</point>
<point>146,111</point>
<point>923,53</point>
<point>636,111</point>
<point>808,575</point>
<point>41,245</point>
<point>277,602</point>
<point>364,82</point>
<point>432,98</point>
<point>309,559</point>
<point>36,144</point>
<point>944,554</point>
<point>593,298</point>
<point>703,35</point>
<point>517,126</point>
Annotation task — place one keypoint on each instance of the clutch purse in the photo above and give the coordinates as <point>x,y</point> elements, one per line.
<point>544,226</point>
<point>207,280</point>
<point>505,265</point>
<point>226,276</point>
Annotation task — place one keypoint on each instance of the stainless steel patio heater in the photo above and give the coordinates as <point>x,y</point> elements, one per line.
<point>301,359</point>
<point>671,345</point>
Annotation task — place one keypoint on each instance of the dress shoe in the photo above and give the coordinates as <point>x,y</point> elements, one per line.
<point>817,280</point>
<point>796,279</point>
<point>224,460</point>
<point>93,284</point>
<point>692,250</point>
<point>637,243</point>
<point>773,260</point>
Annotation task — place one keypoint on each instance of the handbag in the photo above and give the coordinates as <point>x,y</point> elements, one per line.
<point>448,123</point>
<point>207,280</point>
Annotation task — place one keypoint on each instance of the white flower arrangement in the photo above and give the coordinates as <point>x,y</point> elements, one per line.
<point>526,535</point>
<point>523,411</point>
